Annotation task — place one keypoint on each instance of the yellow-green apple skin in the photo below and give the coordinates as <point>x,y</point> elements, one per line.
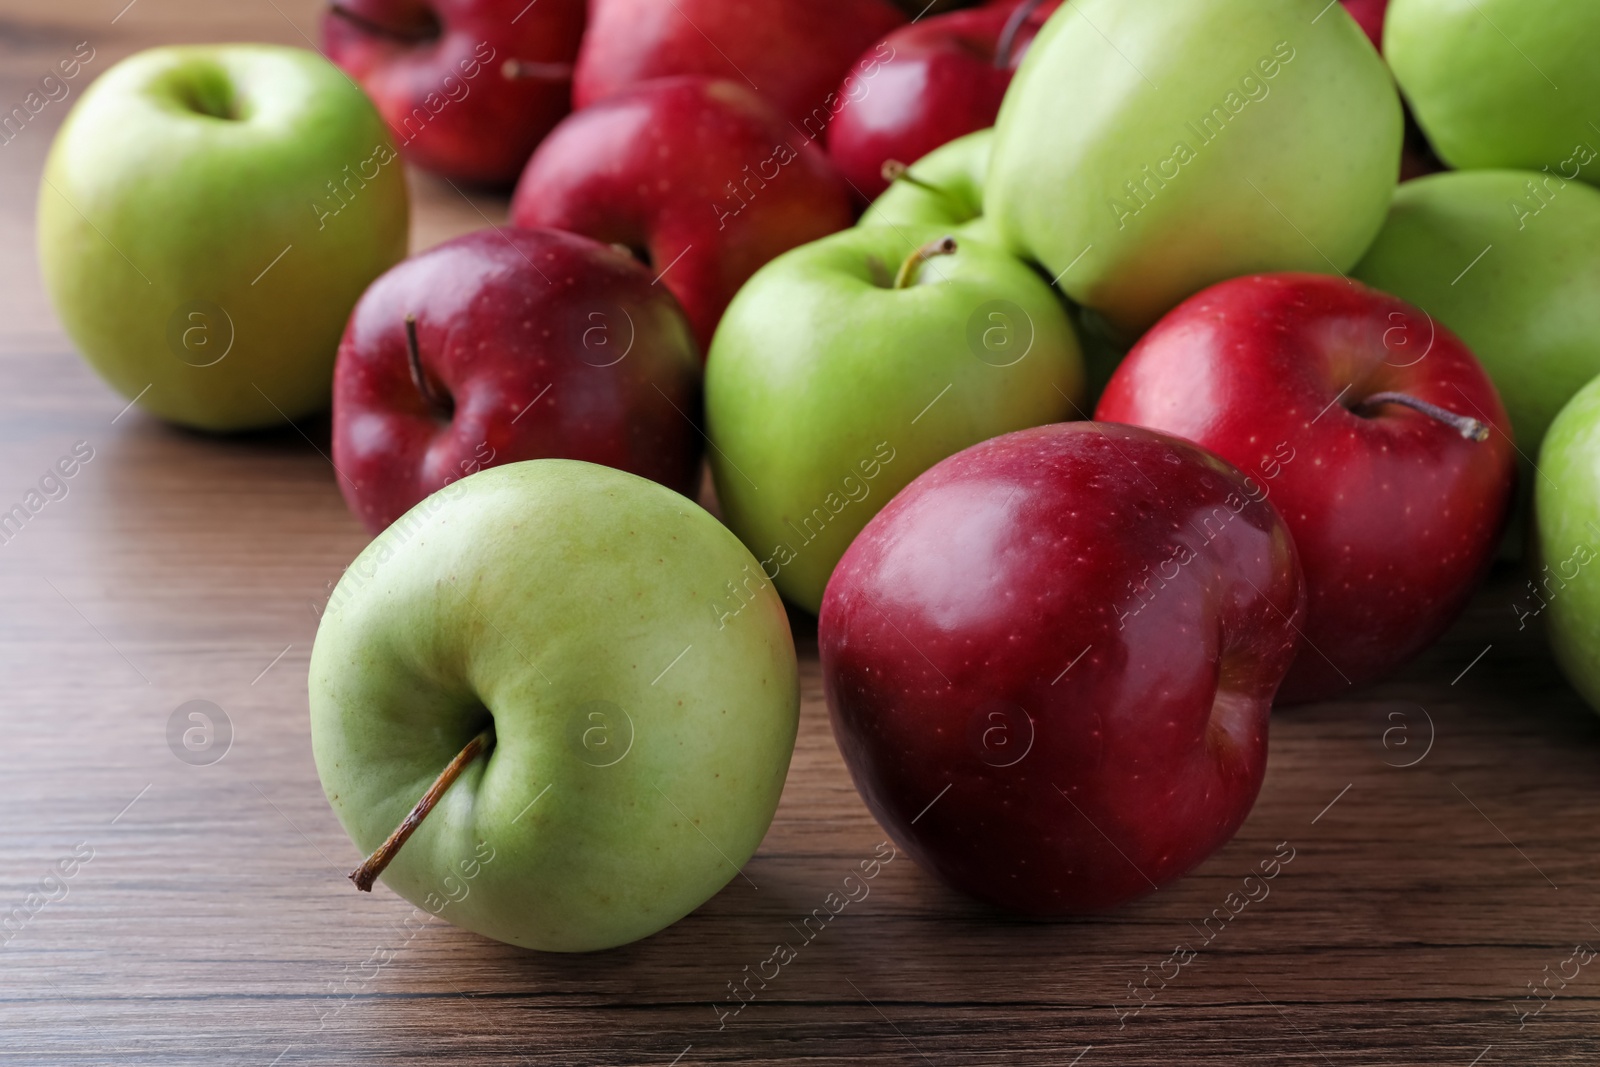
<point>1148,149</point>
<point>947,190</point>
<point>1565,589</point>
<point>828,390</point>
<point>1502,84</point>
<point>1514,276</point>
<point>641,735</point>
<point>207,219</point>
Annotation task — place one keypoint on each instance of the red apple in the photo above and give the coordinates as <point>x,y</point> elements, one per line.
<point>527,344</point>
<point>1050,662</point>
<point>1369,16</point>
<point>469,87</point>
<point>793,52</point>
<point>701,178</point>
<point>932,81</point>
<point>1374,431</point>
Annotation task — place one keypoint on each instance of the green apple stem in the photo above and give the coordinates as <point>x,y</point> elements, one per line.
<point>895,171</point>
<point>364,875</point>
<point>1013,28</point>
<point>1470,428</point>
<point>440,405</point>
<point>943,246</point>
<point>522,69</point>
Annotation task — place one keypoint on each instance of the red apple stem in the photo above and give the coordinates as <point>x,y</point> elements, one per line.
<point>943,246</point>
<point>364,875</point>
<point>1013,29</point>
<point>440,405</point>
<point>1470,428</point>
<point>527,70</point>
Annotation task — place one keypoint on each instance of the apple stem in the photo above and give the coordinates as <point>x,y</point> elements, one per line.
<point>364,875</point>
<point>1013,29</point>
<point>895,171</point>
<point>1470,428</point>
<point>943,246</point>
<point>440,405</point>
<point>525,70</point>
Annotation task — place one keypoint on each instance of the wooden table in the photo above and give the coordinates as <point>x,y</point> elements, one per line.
<point>213,923</point>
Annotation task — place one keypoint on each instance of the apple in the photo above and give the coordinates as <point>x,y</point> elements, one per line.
<point>944,77</point>
<point>1567,510</point>
<point>794,54</point>
<point>502,346</point>
<point>1502,83</point>
<point>701,178</point>
<point>207,218</point>
<point>1510,262</point>
<point>943,188</point>
<point>847,367</point>
<point>1050,662</point>
<point>1147,150</point>
<point>469,87</point>
<point>1369,16</point>
<point>1372,429</point>
<point>528,652</point>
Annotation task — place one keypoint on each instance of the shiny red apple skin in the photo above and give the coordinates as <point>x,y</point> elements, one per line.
<point>701,176</point>
<point>931,82</point>
<point>1396,515</point>
<point>548,344</point>
<point>1024,681</point>
<point>437,70</point>
<point>1369,15</point>
<point>795,53</point>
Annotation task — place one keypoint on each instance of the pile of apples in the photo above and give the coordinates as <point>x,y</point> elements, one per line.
<point>878,268</point>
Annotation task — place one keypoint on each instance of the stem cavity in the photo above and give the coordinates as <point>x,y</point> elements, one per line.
<point>438,403</point>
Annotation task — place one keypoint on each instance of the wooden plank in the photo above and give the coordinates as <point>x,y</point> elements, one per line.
<point>213,924</point>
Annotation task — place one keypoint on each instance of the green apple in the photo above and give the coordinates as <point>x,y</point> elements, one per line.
<point>1566,589</point>
<point>943,188</point>
<point>1510,262</point>
<point>207,219</point>
<point>639,740</point>
<point>1148,149</point>
<point>847,367</point>
<point>1502,83</point>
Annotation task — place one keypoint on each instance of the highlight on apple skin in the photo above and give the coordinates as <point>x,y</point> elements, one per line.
<point>1050,662</point>
<point>508,345</point>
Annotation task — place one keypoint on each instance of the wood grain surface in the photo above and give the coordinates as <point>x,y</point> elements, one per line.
<point>1442,826</point>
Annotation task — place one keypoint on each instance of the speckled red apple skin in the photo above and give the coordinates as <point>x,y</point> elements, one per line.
<point>550,345</point>
<point>1397,516</point>
<point>794,52</point>
<point>702,175</point>
<point>1036,576</point>
<point>452,103</point>
<point>924,85</point>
